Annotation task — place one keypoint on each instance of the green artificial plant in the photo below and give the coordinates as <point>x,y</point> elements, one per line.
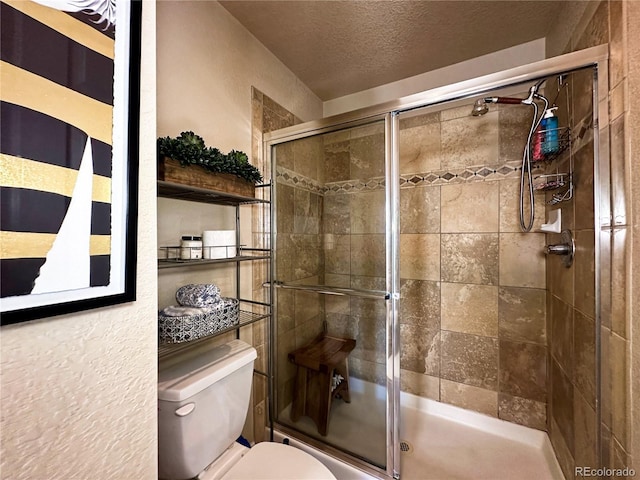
<point>190,149</point>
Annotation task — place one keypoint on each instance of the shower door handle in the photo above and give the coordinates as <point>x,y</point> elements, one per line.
<point>328,290</point>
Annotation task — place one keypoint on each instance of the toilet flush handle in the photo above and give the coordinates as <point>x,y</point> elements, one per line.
<point>185,410</point>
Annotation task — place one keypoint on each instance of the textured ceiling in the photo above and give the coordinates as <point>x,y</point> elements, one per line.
<point>340,47</point>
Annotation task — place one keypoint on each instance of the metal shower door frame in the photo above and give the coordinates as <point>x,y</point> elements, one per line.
<point>390,295</point>
<point>596,57</point>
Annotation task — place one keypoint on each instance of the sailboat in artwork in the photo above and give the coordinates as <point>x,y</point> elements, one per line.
<point>67,265</point>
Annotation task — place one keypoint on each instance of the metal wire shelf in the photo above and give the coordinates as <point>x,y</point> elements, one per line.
<point>551,181</point>
<point>553,143</point>
<point>170,257</point>
<point>245,318</point>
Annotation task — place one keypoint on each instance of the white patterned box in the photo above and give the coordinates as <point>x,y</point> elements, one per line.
<point>180,329</point>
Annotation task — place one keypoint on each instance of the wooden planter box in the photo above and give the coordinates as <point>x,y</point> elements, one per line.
<point>170,170</point>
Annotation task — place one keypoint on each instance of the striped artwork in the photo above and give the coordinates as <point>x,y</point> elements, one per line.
<point>56,121</point>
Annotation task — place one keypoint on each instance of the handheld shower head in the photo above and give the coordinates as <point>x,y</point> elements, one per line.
<point>479,108</point>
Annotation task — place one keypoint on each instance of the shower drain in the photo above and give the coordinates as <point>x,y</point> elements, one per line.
<point>405,447</point>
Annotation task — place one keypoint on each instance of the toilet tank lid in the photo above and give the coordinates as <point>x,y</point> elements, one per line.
<point>194,373</point>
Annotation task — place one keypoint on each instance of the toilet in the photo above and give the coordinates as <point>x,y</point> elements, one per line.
<point>203,398</point>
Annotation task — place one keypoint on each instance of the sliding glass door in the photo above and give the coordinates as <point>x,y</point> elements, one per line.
<point>332,295</point>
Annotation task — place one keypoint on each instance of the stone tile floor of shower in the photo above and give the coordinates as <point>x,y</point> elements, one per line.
<point>444,442</point>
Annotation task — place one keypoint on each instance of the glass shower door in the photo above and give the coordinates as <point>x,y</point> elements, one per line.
<point>330,269</point>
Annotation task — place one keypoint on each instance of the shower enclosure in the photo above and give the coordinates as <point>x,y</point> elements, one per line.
<point>398,226</point>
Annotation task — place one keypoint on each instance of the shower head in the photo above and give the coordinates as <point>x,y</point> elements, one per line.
<point>479,108</point>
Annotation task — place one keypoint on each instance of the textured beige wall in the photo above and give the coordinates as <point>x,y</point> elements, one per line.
<point>207,63</point>
<point>177,218</point>
<point>79,391</point>
<point>572,21</point>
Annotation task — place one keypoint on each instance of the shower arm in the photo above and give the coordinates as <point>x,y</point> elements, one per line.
<point>508,100</point>
<point>533,95</point>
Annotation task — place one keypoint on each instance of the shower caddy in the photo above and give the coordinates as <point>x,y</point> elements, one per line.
<point>551,144</point>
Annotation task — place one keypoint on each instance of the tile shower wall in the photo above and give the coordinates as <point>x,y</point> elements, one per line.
<point>473,305</point>
<point>571,293</point>
<point>573,422</point>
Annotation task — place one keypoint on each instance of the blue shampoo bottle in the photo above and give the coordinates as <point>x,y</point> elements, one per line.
<point>550,127</point>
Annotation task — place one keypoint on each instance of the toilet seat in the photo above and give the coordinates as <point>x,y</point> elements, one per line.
<point>276,461</point>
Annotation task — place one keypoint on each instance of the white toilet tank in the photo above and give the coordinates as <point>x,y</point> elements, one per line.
<point>202,406</point>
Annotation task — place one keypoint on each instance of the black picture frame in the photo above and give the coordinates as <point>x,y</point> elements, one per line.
<point>116,282</point>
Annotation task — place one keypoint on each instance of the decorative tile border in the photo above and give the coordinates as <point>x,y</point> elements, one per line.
<point>293,179</point>
<point>354,186</point>
<point>480,173</point>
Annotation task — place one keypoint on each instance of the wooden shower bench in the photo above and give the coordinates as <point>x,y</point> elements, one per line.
<point>316,365</point>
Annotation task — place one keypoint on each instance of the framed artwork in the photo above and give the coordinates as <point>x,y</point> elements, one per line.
<point>69,114</point>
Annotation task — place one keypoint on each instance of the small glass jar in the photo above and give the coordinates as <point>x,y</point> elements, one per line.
<point>190,247</point>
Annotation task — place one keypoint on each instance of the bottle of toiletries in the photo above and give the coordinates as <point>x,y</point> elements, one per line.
<point>191,247</point>
<point>536,150</point>
<point>550,127</point>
